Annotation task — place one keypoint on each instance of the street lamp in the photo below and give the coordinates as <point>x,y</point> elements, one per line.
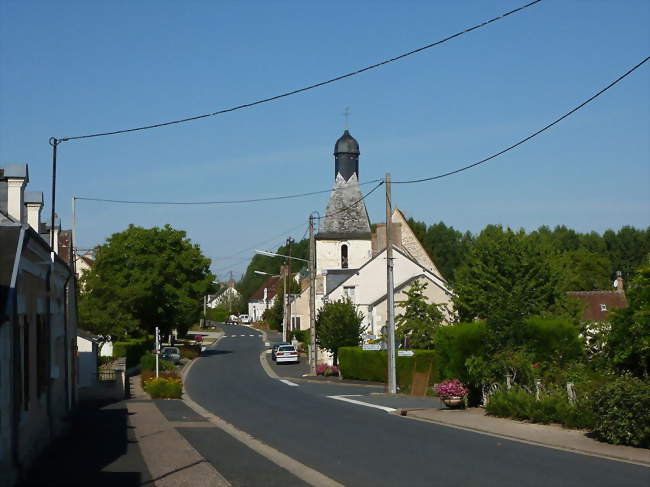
<point>271,254</point>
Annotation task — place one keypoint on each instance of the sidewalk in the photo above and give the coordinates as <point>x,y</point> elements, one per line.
<point>553,436</point>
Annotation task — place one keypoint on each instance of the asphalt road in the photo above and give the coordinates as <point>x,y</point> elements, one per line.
<point>363,446</point>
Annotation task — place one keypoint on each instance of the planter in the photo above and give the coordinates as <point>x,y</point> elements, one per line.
<point>453,402</point>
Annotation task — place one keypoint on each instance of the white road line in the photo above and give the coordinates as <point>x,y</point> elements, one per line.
<point>251,335</point>
<point>267,344</point>
<point>288,382</point>
<point>360,403</point>
<point>242,335</point>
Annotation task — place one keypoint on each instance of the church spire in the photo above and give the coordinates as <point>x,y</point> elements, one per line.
<point>346,156</point>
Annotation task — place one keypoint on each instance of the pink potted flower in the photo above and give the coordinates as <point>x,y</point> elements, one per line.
<point>452,392</point>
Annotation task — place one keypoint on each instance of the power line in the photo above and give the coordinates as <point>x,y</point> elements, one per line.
<point>529,137</point>
<point>353,204</point>
<point>286,232</point>
<point>306,88</point>
<point>223,202</point>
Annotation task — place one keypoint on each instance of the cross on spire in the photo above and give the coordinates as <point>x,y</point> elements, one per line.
<point>346,114</point>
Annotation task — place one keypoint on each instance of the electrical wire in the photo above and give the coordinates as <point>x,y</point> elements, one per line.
<point>529,137</point>
<point>343,210</point>
<point>223,202</point>
<point>286,232</point>
<point>306,88</point>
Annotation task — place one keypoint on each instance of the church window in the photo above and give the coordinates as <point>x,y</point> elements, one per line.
<point>344,256</point>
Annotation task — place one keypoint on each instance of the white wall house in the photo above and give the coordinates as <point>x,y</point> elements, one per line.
<point>38,327</point>
<point>87,351</point>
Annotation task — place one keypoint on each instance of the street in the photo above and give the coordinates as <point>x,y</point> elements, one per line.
<point>355,444</point>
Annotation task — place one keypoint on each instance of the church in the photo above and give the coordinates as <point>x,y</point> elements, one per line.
<point>351,257</point>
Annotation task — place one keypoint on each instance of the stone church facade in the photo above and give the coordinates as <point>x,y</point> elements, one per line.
<point>351,258</point>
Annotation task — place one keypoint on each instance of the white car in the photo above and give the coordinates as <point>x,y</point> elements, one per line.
<point>287,353</point>
<point>245,319</point>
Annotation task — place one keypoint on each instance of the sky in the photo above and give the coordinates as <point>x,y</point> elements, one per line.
<point>74,67</point>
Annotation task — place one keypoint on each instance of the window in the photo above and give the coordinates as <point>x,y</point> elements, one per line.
<point>603,307</point>
<point>344,256</point>
<point>348,291</point>
<point>295,322</point>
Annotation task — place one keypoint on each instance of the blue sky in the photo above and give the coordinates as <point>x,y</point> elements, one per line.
<point>72,68</point>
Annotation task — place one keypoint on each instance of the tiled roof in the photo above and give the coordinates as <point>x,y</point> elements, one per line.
<point>598,304</point>
<point>272,285</point>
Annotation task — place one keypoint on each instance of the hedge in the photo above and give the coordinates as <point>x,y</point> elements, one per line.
<point>148,362</point>
<point>132,349</point>
<point>455,344</point>
<point>372,365</point>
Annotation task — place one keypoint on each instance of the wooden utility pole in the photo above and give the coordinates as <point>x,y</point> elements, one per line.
<point>74,236</point>
<point>390,298</point>
<point>287,292</point>
<point>312,297</point>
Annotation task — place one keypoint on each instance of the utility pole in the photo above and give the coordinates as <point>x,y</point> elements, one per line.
<point>390,288</point>
<point>157,348</point>
<point>312,297</point>
<point>287,290</point>
<point>74,236</point>
<point>205,311</point>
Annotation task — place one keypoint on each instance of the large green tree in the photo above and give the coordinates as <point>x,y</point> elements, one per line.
<point>582,270</point>
<point>154,275</point>
<point>420,319</point>
<point>503,280</point>
<point>338,324</point>
<point>628,344</point>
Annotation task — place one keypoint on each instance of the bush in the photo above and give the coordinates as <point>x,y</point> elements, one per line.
<point>132,349</point>
<point>621,412</point>
<point>455,344</point>
<point>371,365</point>
<point>190,352</point>
<point>217,314</point>
<point>164,388</point>
<point>148,362</point>
<point>327,370</point>
<point>554,340</point>
<point>552,407</point>
<point>303,336</point>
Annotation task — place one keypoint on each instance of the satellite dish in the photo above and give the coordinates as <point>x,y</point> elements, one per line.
<point>615,283</point>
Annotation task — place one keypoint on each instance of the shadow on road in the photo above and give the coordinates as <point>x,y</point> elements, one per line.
<point>205,353</point>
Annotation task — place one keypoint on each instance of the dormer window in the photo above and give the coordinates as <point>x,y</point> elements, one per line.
<point>603,308</point>
<point>344,256</point>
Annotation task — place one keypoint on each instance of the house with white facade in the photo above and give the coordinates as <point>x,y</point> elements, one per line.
<point>351,258</point>
<point>38,328</point>
<point>227,296</point>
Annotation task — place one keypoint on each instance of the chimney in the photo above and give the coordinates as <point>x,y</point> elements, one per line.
<point>619,282</point>
<point>17,178</point>
<point>34,205</point>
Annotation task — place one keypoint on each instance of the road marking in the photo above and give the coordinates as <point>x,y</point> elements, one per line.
<point>267,344</point>
<point>242,335</point>
<point>361,403</point>
<point>251,335</point>
<point>289,383</point>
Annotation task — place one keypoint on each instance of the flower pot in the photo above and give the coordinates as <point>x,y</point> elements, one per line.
<point>453,402</point>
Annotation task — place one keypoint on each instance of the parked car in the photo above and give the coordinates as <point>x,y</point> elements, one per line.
<point>172,354</point>
<point>245,319</point>
<point>275,348</point>
<point>286,353</point>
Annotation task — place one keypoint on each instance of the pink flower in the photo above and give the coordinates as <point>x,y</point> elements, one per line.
<point>451,388</point>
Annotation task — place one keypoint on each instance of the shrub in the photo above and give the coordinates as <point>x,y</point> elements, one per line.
<point>190,351</point>
<point>148,362</point>
<point>303,336</point>
<point>552,407</point>
<point>164,388</point>
<point>455,344</point>
<point>554,340</point>
<point>621,412</point>
<point>132,349</point>
<point>371,365</point>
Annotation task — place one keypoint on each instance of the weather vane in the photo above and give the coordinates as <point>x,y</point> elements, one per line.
<point>346,114</point>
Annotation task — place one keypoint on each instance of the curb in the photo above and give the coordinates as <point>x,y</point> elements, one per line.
<point>522,440</point>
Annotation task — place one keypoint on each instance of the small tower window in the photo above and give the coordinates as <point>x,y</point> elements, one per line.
<point>344,256</point>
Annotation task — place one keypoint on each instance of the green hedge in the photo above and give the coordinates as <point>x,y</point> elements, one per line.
<point>455,344</point>
<point>356,363</point>
<point>148,362</point>
<point>132,349</point>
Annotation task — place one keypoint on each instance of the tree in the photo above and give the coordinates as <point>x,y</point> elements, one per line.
<point>629,338</point>
<point>107,319</point>
<point>338,324</point>
<point>503,280</point>
<point>582,270</point>
<point>156,276</point>
<point>420,319</point>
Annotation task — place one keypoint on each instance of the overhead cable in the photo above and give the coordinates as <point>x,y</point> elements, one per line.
<point>306,88</point>
<point>529,137</point>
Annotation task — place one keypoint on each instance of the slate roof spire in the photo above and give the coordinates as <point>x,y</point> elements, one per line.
<point>346,216</point>
<point>346,156</point>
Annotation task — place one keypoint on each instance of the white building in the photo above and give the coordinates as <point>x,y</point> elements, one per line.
<point>351,259</point>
